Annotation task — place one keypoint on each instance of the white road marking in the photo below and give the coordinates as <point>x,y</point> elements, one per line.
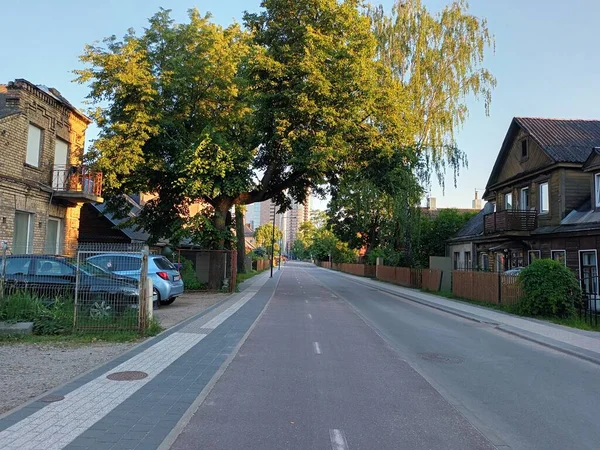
<point>305,300</point>
<point>317,348</point>
<point>334,296</point>
<point>58,424</point>
<point>309,316</point>
<point>338,440</point>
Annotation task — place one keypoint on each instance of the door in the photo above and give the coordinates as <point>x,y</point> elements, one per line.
<point>589,278</point>
<point>61,153</point>
<point>524,200</point>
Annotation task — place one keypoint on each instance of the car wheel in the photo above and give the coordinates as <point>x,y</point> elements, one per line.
<point>100,310</point>
<point>168,302</point>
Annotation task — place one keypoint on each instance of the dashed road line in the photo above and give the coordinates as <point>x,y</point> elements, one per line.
<point>317,348</point>
<point>309,315</point>
<point>338,440</point>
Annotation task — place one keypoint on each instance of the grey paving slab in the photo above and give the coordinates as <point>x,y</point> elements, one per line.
<point>145,418</point>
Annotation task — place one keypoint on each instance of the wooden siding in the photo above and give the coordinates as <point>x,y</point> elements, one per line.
<point>578,187</point>
<point>514,164</point>
<point>554,216</point>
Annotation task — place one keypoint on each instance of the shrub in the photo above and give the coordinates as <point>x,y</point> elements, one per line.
<point>48,317</point>
<point>549,289</point>
<point>189,276</point>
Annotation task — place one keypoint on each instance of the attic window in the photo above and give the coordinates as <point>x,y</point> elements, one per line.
<point>524,149</point>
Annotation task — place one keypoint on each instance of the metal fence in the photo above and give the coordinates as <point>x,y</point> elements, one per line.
<point>96,287</point>
<point>589,307</point>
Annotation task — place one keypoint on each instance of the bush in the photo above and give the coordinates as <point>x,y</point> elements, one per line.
<point>48,318</point>
<point>549,289</point>
<point>189,276</point>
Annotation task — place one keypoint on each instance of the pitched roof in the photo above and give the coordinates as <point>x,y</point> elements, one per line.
<point>564,140</point>
<point>473,228</point>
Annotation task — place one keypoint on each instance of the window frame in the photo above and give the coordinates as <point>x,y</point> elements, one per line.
<point>530,252</point>
<point>541,197</point>
<point>29,232</point>
<point>524,146</point>
<point>521,197</point>
<point>485,261</point>
<point>28,162</point>
<point>468,261</point>
<point>456,260</point>
<point>597,189</point>
<point>564,252</point>
<point>58,234</point>
<point>508,195</point>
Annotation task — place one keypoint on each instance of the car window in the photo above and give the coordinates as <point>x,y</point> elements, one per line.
<point>117,263</point>
<point>52,267</point>
<point>164,264</point>
<point>17,266</point>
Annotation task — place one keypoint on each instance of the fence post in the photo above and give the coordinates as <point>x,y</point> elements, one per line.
<point>143,297</point>
<point>4,247</point>
<point>499,288</point>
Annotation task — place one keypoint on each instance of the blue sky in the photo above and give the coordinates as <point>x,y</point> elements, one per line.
<point>547,60</point>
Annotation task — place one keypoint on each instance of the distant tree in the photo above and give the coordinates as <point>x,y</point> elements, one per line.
<point>264,237</point>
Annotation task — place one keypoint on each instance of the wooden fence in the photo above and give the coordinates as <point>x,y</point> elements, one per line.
<point>413,278</point>
<point>487,287</point>
<point>361,270</point>
<point>261,264</point>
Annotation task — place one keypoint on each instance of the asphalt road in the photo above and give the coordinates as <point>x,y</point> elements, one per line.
<point>334,364</point>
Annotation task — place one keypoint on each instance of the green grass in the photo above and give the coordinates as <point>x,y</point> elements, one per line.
<point>573,322</point>
<point>241,277</point>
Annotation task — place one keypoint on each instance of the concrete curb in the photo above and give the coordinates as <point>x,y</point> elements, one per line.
<point>553,344</point>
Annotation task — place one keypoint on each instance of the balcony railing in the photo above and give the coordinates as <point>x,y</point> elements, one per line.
<point>510,220</point>
<point>79,183</point>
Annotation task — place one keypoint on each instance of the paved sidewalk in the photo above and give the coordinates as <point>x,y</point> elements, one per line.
<point>165,376</point>
<point>578,343</point>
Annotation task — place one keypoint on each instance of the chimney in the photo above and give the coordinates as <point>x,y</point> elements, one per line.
<point>476,202</point>
<point>431,203</point>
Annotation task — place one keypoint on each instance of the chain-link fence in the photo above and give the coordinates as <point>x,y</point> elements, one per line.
<point>97,287</point>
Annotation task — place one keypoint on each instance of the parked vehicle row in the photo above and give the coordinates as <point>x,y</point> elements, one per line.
<point>106,282</point>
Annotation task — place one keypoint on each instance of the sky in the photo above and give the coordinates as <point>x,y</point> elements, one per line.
<point>546,61</point>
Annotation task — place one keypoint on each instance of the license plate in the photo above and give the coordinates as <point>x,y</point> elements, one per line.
<point>177,278</point>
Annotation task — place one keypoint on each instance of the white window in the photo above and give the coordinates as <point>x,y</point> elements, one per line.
<point>53,237</point>
<point>508,203</point>
<point>560,256</point>
<point>61,152</point>
<point>524,200</point>
<point>597,189</point>
<point>34,143</point>
<point>456,260</point>
<point>544,198</point>
<point>532,255</point>
<point>23,234</point>
<point>467,260</point>
<point>485,261</point>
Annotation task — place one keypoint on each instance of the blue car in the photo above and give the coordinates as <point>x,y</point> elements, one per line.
<point>166,279</point>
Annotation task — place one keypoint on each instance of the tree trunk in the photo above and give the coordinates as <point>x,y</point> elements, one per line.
<point>241,240</point>
<point>218,259</point>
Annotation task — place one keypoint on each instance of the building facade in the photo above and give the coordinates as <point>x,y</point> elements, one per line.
<point>43,183</point>
<point>543,201</point>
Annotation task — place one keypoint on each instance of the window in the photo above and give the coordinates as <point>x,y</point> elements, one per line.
<point>485,261</point>
<point>532,255</point>
<point>524,200</point>
<point>560,256</point>
<point>117,263</point>
<point>53,237</point>
<point>544,198</point>
<point>61,153</point>
<point>17,266</point>
<point>589,271</point>
<point>524,149</point>
<point>467,260</point>
<point>597,189</point>
<point>164,264</point>
<point>34,144</point>
<point>508,203</point>
<point>52,267</point>
<point>456,260</point>
<point>22,239</point>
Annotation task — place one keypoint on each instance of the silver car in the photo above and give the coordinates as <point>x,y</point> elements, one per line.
<point>166,279</point>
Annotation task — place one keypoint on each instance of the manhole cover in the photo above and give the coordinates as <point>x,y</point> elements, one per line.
<point>441,358</point>
<point>127,376</point>
<point>52,398</point>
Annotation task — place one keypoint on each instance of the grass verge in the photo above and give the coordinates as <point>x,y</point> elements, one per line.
<point>572,322</point>
<point>241,277</point>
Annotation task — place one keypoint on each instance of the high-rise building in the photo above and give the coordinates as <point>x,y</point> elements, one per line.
<point>296,216</point>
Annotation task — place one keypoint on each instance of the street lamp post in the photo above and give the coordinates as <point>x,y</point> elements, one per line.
<point>273,240</point>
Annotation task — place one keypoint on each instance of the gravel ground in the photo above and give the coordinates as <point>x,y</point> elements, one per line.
<point>28,370</point>
<point>186,306</point>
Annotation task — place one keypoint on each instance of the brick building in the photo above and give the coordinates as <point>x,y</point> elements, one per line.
<point>43,183</point>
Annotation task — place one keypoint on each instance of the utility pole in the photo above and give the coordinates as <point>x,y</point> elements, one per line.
<point>273,239</point>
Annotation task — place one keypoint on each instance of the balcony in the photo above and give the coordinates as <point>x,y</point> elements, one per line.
<point>510,220</point>
<point>77,184</point>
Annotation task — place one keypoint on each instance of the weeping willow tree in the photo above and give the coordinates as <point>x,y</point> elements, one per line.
<point>437,59</point>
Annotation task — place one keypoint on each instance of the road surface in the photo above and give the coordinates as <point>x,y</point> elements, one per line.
<point>334,364</point>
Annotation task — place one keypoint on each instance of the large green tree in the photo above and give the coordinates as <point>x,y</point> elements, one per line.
<point>267,237</point>
<point>197,112</point>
